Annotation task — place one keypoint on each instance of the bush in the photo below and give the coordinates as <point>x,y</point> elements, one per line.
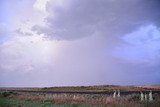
<point>7,93</point>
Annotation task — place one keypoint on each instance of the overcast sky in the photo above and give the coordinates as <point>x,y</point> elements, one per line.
<point>79,42</point>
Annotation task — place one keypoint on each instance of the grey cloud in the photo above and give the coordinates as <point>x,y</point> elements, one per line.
<point>106,17</point>
<point>94,26</point>
<point>87,61</point>
<point>18,31</point>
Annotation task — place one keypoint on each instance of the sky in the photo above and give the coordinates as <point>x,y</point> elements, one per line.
<point>46,43</point>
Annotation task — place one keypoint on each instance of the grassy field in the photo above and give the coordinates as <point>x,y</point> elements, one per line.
<point>10,98</point>
<point>9,102</point>
<point>90,88</point>
<point>95,88</point>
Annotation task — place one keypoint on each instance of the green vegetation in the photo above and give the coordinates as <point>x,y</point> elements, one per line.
<point>96,88</point>
<point>7,102</point>
<point>91,88</point>
<point>17,103</point>
<point>14,98</point>
<point>7,93</point>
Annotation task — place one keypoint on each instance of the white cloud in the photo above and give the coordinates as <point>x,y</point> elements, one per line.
<point>22,15</point>
<point>27,52</point>
<point>142,45</point>
<point>40,5</point>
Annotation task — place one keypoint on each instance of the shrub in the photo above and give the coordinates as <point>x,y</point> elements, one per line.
<point>7,93</point>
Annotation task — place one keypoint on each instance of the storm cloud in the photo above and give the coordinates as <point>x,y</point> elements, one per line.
<point>79,42</point>
<point>76,19</point>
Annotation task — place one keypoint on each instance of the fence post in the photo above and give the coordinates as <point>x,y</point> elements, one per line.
<point>142,96</point>
<point>150,96</point>
<point>114,94</point>
<point>118,94</point>
<point>145,97</point>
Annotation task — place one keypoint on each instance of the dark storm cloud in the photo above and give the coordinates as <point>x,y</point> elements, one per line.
<point>103,17</point>
<point>100,42</point>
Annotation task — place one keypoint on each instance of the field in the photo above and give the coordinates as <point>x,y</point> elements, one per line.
<point>81,96</point>
<point>7,102</point>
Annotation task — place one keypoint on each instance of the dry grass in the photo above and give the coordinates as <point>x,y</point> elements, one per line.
<point>102,100</point>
